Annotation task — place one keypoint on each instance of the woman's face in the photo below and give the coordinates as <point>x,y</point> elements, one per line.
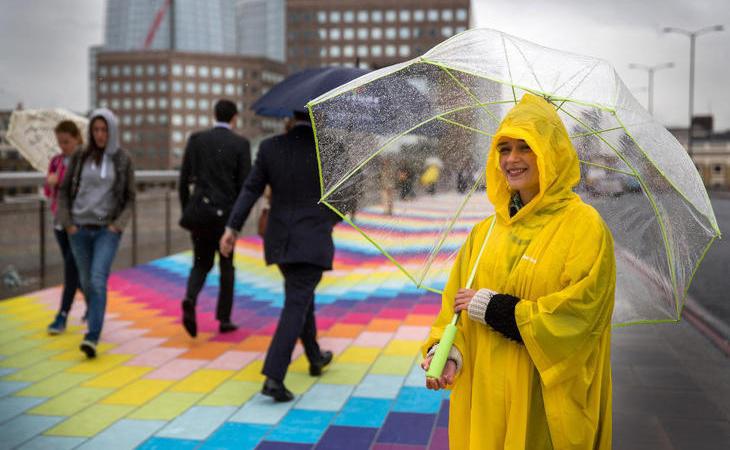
<point>67,142</point>
<point>519,165</point>
<point>100,132</point>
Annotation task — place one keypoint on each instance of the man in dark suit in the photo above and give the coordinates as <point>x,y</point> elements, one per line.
<point>298,238</point>
<point>216,162</point>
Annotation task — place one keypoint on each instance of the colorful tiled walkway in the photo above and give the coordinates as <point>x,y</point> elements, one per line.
<point>153,387</point>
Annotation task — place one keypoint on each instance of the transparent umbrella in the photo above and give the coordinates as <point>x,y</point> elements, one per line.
<point>635,173</point>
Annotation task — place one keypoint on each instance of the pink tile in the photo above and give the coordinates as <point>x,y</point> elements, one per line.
<point>139,345</point>
<point>112,325</point>
<point>411,332</point>
<point>373,339</point>
<point>233,360</point>
<point>336,345</point>
<point>121,336</point>
<point>156,357</point>
<point>177,369</point>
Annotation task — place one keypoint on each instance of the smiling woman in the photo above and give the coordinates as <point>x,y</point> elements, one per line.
<point>519,166</point>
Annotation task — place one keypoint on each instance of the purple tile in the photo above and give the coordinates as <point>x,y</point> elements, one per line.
<point>398,447</point>
<point>351,438</point>
<point>443,417</point>
<point>407,428</point>
<point>440,439</point>
<point>270,445</point>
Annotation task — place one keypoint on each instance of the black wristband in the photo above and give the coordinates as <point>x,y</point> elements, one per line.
<point>500,315</point>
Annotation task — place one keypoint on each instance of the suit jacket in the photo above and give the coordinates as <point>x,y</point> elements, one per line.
<point>299,230</point>
<point>216,162</point>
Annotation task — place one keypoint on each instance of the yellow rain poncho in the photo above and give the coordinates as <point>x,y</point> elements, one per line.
<point>556,256</point>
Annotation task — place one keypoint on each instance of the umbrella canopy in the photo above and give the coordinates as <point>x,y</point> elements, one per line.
<point>641,179</point>
<point>293,93</point>
<point>31,132</point>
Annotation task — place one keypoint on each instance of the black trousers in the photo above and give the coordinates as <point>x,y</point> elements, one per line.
<point>205,246</point>
<point>70,272</point>
<point>296,320</point>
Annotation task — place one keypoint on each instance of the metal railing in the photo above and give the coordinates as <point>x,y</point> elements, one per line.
<point>29,257</point>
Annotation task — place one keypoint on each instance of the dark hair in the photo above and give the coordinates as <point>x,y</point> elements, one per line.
<point>68,127</point>
<point>225,110</point>
<point>95,151</point>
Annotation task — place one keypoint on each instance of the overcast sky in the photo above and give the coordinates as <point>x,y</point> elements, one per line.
<point>44,46</point>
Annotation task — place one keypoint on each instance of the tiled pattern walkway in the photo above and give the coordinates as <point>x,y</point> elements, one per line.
<point>153,387</point>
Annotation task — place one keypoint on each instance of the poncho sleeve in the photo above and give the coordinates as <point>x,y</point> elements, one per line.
<point>561,330</point>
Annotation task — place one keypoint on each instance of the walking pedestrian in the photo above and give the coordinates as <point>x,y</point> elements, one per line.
<point>530,365</point>
<point>94,205</point>
<point>69,141</point>
<point>298,238</point>
<point>215,164</point>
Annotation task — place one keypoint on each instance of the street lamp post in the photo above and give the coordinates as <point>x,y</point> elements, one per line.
<point>651,70</point>
<point>692,37</point>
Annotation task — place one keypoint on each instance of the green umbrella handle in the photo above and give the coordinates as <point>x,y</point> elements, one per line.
<point>442,352</point>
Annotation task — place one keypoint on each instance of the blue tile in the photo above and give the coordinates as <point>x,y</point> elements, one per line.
<point>197,423</point>
<point>407,428</point>
<point>124,434</point>
<point>6,370</point>
<point>364,412</point>
<point>10,387</point>
<point>416,377</point>
<point>379,386</point>
<point>241,436</point>
<point>418,400</point>
<point>300,426</point>
<point>156,443</point>
<point>350,438</point>
<point>52,443</point>
<point>261,410</point>
<point>14,406</point>
<point>325,397</point>
<point>22,428</point>
<point>269,445</point>
<point>443,417</point>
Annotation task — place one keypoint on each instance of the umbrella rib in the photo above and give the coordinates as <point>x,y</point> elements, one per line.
<point>529,65</point>
<point>577,85</point>
<point>650,196</point>
<point>593,133</point>
<point>694,271</point>
<point>612,169</point>
<point>316,146</point>
<point>509,69</point>
<point>443,119</point>
<point>469,93</point>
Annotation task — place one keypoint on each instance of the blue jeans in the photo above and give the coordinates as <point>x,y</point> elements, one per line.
<point>94,251</point>
<point>70,273</point>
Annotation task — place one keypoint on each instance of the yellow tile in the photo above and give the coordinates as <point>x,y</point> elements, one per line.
<point>298,382</point>
<point>392,365</point>
<point>90,421</point>
<point>167,406</point>
<point>38,371</point>
<point>402,347</point>
<point>355,354</point>
<point>301,364</point>
<point>66,341</point>
<point>232,393</point>
<point>202,380</point>
<point>344,373</point>
<point>100,364</point>
<point>118,376</point>
<point>25,359</point>
<point>54,385</point>
<point>251,372</point>
<point>10,332</point>
<point>20,345</point>
<point>71,401</point>
<point>138,392</point>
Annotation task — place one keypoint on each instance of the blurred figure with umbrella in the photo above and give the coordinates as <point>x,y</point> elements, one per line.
<point>298,234</point>
<point>69,141</point>
<point>430,177</point>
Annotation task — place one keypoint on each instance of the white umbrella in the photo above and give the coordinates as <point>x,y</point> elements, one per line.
<point>31,132</point>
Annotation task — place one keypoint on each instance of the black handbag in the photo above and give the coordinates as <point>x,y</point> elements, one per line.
<point>200,212</point>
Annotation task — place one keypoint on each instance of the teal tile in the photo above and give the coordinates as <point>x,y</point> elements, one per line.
<point>197,423</point>
<point>25,427</point>
<point>52,443</point>
<point>300,426</point>
<point>379,386</point>
<point>14,406</point>
<point>325,397</point>
<point>241,436</point>
<point>124,434</point>
<point>364,412</point>
<point>261,410</point>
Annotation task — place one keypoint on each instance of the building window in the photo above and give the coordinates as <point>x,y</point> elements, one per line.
<point>162,119</point>
<point>447,15</point>
<point>348,51</point>
<point>103,87</point>
<point>150,70</point>
<point>404,33</point>
<point>151,119</point>
<point>461,14</point>
<point>203,87</point>
<point>115,104</point>
<point>190,87</point>
<point>151,86</point>
<point>203,71</point>
<point>334,16</point>
<point>115,71</point>
<point>216,88</point>
<point>127,136</point>
<point>447,31</point>
<point>376,16</point>
<point>151,103</point>
<point>460,29</point>
<point>335,51</point>
<point>362,16</point>
<point>390,50</point>
<point>162,69</point>
<point>404,50</point>
<point>323,34</point>
<point>390,33</point>
<point>138,70</point>
<point>362,51</point>
<point>390,15</point>
<point>322,17</point>
<point>405,15</point>
<point>115,87</point>
<point>348,34</point>
<point>176,103</point>
<point>176,70</point>
<point>127,103</point>
<point>203,121</point>
<point>162,86</point>
<point>127,70</point>
<point>176,119</point>
<point>138,103</point>
<point>418,15</point>
<point>190,120</point>
<point>230,89</point>
<point>138,87</point>
<point>348,16</point>
<point>334,34</point>
<point>162,102</point>
<point>239,74</point>
<point>230,73</point>
<point>190,70</point>
<point>127,120</point>
<point>177,136</point>
<point>376,33</point>
<point>204,104</point>
<point>217,72</point>
<point>190,103</point>
<point>362,33</point>
<point>433,15</point>
<point>376,51</point>
<point>323,52</point>
<point>102,71</point>
<point>176,86</point>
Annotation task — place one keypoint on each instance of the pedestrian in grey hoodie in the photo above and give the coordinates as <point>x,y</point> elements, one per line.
<point>94,205</point>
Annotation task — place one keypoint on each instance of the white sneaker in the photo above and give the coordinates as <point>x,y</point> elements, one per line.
<point>89,348</point>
